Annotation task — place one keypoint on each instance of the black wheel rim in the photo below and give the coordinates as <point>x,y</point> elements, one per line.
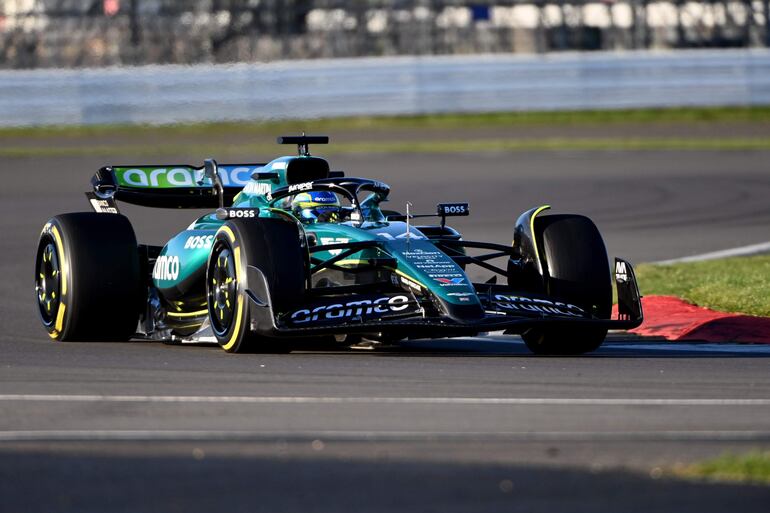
<point>48,283</point>
<point>222,288</point>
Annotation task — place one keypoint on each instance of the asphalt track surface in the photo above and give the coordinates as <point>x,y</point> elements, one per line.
<point>465,425</point>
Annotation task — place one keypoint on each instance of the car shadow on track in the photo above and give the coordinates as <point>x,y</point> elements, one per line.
<point>621,346</point>
<point>616,346</point>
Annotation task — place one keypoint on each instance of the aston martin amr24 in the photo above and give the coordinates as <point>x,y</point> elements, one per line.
<point>292,250</point>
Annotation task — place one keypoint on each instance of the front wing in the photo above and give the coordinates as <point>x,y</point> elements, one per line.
<point>406,315</point>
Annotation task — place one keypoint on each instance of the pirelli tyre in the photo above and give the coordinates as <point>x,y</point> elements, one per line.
<point>577,271</point>
<point>87,277</point>
<point>272,245</point>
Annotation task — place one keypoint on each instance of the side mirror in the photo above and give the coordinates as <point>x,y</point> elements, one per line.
<point>211,171</point>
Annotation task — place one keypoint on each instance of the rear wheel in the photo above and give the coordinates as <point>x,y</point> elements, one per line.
<point>579,273</point>
<point>87,277</point>
<point>274,247</point>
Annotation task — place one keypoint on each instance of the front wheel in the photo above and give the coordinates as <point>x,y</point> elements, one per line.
<point>87,277</point>
<point>274,247</point>
<point>578,272</point>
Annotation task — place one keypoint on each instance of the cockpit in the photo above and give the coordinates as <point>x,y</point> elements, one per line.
<point>333,200</point>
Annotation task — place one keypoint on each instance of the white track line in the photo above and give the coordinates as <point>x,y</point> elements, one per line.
<point>481,401</point>
<point>754,249</point>
<point>222,436</point>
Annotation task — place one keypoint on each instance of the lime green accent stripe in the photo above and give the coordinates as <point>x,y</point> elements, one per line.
<point>411,278</point>
<point>239,307</point>
<point>188,314</point>
<point>532,228</point>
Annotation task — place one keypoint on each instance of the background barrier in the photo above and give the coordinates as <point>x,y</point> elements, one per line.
<point>384,86</point>
<point>95,33</point>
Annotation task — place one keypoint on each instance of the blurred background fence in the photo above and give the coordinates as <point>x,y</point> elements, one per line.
<point>386,85</point>
<point>92,33</point>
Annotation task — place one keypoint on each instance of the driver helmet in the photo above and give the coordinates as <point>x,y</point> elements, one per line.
<point>316,206</point>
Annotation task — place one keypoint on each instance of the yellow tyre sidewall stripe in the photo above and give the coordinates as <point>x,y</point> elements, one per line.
<point>239,309</point>
<point>198,313</point>
<point>58,327</point>
<point>532,230</point>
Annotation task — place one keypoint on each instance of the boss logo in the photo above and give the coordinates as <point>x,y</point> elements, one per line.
<point>199,242</point>
<point>241,213</point>
<point>237,213</point>
<point>453,209</point>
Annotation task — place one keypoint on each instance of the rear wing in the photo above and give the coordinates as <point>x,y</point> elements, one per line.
<point>170,186</point>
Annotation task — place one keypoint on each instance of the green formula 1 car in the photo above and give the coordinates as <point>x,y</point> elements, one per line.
<point>297,251</point>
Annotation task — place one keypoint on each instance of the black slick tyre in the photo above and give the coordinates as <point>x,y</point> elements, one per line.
<point>273,246</point>
<point>577,272</point>
<point>88,282</point>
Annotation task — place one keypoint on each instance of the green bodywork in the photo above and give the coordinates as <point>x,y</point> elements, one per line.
<point>417,260</point>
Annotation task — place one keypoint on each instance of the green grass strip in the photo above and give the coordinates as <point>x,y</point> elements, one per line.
<point>196,149</point>
<point>428,121</point>
<point>740,284</point>
<point>752,467</point>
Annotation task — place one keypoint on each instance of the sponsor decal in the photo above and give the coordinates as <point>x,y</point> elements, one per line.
<point>351,309</point>
<point>621,273</point>
<point>199,242</point>
<point>235,176</point>
<point>450,281</point>
<point>170,177</point>
<point>326,241</point>
<point>258,188</point>
<point>437,266</point>
<point>237,213</point>
<point>526,304</point>
<point>453,209</point>
<point>378,186</point>
<point>166,268</point>
<point>299,187</point>
<point>103,206</point>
